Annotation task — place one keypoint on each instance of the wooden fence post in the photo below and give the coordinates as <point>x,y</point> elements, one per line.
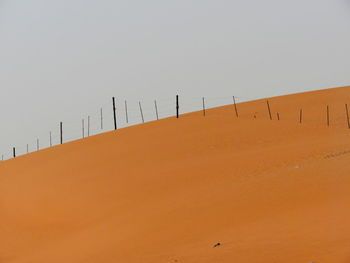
<point>177,106</point>
<point>115,115</point>
<point>143,120</point>
<point>327,115</point>
<point>203,107</point>
<point>101,115</point>
<point>83,128</point>
<point>61,132</point>
<point>88,126</point>
<point>155,105</point>
<point>235,106</point>
<point>269,109</point>
<point>126,112</point>
<point>347,115</point>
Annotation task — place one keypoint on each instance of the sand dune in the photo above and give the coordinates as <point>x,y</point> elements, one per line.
<point>167,191</point>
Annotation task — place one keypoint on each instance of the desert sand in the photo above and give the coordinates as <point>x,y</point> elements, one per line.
<point>168,191</point>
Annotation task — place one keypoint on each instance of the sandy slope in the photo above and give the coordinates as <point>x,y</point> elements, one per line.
<point>167,191</point>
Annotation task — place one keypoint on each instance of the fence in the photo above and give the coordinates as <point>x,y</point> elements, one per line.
<point>118,113</point>
<point>115,114</point>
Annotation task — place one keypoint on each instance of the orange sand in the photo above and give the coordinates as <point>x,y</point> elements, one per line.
<point>167,191</point>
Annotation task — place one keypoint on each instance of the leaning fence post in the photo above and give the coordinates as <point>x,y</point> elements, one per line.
<point>269,109</point>
<point>278,116</point>
<point>347,115</point>
<point>114,114</point>
<point>143,120</point>
<point>155,105</point>
<point>235,106</point>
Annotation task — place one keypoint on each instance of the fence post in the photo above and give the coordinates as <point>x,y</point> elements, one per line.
<point>347,115</point>
<point>126,111</point>
<point>301,116</point>
<point>155,105</point>
<point>101,111</point>
<point>203,107</point>
<point>27,148</point>
<point>235,106</point>
<point>88,126</point>
<point>50,139</point>
<point>37,144</point>
<point>114,114</point>
<point>177,106</point>
<point>327,115</point>
<point>83,128</point>
<point>14,152</point>
<point>61,132</point>
<point>143,120</point>
<point>278,116</point>
<point>269,109</point>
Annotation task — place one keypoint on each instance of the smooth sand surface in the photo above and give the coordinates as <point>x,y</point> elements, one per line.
<point>167,191</point>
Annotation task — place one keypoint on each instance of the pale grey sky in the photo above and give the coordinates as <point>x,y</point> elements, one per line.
<point>63,59</point>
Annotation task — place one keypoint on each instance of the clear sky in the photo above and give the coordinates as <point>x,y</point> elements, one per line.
<point>61,60</point>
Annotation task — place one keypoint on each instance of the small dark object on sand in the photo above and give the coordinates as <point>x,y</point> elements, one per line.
<point>218,244</point>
